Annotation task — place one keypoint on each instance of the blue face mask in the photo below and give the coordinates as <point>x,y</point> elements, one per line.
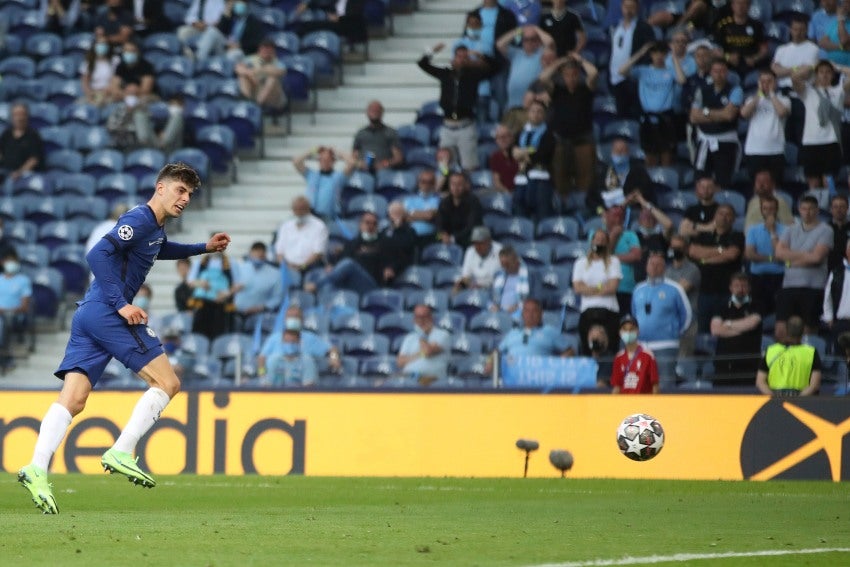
<point>101,49</point>
<point>257,263</point>
<point>619,160</point>
<point>215,264</point>
<point>290,349</point>
<point>473,34</point>
<point>240,8</point>
<point>130,57</point>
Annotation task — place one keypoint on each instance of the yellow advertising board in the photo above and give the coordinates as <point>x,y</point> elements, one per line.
<point>451,434</point>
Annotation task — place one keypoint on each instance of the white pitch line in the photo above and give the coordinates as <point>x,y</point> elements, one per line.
<point>680,557</point>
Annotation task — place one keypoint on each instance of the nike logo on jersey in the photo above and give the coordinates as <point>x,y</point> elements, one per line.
<point>157,241</point>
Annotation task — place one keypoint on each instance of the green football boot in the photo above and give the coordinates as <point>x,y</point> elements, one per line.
<point>34,479</point>
<point>123,463</point>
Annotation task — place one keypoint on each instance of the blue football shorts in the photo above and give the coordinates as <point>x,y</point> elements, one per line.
<point>99,333</point>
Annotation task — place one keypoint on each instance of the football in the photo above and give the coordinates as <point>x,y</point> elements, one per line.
<point>640,437</point>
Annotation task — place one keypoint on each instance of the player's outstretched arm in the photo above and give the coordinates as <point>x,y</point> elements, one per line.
<point>218,242</point>
<point>175,250</point>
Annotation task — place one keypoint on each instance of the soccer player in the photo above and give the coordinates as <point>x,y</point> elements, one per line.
<point>107,324</point>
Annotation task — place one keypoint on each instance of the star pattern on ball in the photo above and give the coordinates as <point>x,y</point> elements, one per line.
<point>634,446</point>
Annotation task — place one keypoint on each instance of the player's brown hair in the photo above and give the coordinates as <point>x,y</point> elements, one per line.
<point>179,171</point>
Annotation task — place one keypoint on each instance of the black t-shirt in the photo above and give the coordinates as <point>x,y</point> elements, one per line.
<point>739,371</point>
<point>132,74</point>
<point>840,237</point>
<point>743,38</point>
<point>15,151</point>
<point>715,277</point>
<point>563,30</point>
<point>701,214</point>
<point>572,112</point>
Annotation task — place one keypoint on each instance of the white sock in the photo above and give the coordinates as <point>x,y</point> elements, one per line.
<point>144,415</point>
<point>50,434</point>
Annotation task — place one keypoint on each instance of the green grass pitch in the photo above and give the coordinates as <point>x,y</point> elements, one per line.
<point>221,521</point>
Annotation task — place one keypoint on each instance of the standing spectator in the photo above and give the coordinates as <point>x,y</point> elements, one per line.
<point>534,150</point>
<point>15,297</point>
<point>502,162</point>
<point>764,186</point>
<point>714,113</point>
<point>283,362</point>
<point>595,280</point>
<point>737,326</point>
<point>838,36</point>
<point>257,288</point>
<point>663,313</point>
<point>657,89</point>
<point>302,240</point>
<point>376,145</point>
<point>261,77</point>
<point>324,185</point>
<point>479,47</point>
<point>458,99</point>
<point>480,261</point>
<point>790,368</point>
<point>182,291</point>
<point>836,301</point>
<point>682,271</point>
<point>653,230</point>
<point>635,370</point>
<point>627,38</point>
<point>820,153</point>
<point>496,20</point>
<point>796,53</point>
<point>346,19</point>
<point>525,60</point>
<point>718,254</point>
<point>619,179</point>
<point>695,83</point>
<point>201,23</point>
<point>699,218</point>
<point>838,207</point>
<point>766,271</point>
<point>565,27</point>
<point>512,284</point>
<point>804,248</point>
<point>211,280</point>
<point>133,70</point>
<point>421,208</point>
<point>679,51</point>
<point>741,38</point>
<point>571,121</point>
<point>243,32</point>
<point>21,147</point>
<point>767,111</point>
<point>97,71</point>
<point>459,212</point>
<point>424,352</point>
<point>625,246</point>
<point>822,19</point>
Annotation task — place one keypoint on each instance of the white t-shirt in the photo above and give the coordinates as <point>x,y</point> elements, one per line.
<point>621,50</point>
<point>481,270</point>
<point>793,55</point>
<point>766,133</point>
<point>813,133</point>
<point>296,244</point>
<point>102,73</point>
<point>593,274</point>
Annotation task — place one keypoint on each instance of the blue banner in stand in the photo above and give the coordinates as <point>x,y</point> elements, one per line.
<point>549,372</point>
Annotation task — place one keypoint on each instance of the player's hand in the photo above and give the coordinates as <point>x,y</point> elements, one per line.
<point>218,242</point>
<point>133,315</point>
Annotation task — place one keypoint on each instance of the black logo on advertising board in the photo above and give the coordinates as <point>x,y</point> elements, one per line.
<point>799,439</point>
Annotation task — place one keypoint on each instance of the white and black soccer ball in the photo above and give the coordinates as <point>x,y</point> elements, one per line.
<point>640,437</point>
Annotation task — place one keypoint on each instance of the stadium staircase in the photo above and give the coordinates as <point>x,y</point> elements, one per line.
<point>253,207</point>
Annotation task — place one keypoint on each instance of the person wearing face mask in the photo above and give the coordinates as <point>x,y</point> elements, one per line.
<point>595,279</point>
<point>424,352</point>
<point>242,31</point>
<point>212,298</point>
<point>97,71</point>
<point>635,370</point>
<point>311,344</point>
<point>133,70</point>
<point>376,145</point>
<point>479,47</point>
<point>534,150</point>
<point>257,288</point>
<point>283,363</point>
<point>663,313</point>
<point>15,294</point>
<point>682,271</point>
<point>653,230</point>
<point>301,241</point>
<point>738,329</point>
<point>618,179</point>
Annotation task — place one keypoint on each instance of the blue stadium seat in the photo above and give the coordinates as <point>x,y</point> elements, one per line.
<point>79,208</point>
<point>358,183</point>
<point>677,201</point>
<point>17,66</point>
<point>59,67</point>
<point>70,260</point>
<point>81,113</point>
<point>555,278</point>
<point>604,110</point>
<point>481,179</point>
<point>413,136</point>
<point>193,90</point>
<point>392,184</point>
<point>144,161</point>
<point>273,19</point>
<point>169,86</point>
<point>175,66</point>
<point>497,204</point>
<point>33,255</point>
<point>194,158</point>
<point>415,277</point>
<point>738,201</point>
<point>224,92</point>
<point>68,161</point>
<point>362,346</point>
<point>35,184</point>
<point>496,324</point>
<point>325,50</point>
<point>369,203</point>
<point>75,184</point>
<point>438,254</point>
<point>63,93</point>
<point>430,115</point>
<point>470,369</point>
<point>102,162</point>
<point>41,209</point>
<point>380,301</point>
<point>421,157</point>
<point>89,138</point>
<point>628,129</point>
<point>299,80</point>
<point>21,231</point>
<point>219,144</point>
<point>146,187</point>
<point>762,10</point>
<point>77,44</point>
<point>451,321</point>
<point>535,254</point>
<point>445,277</point>
<point>198,114</point>
<point>214,68</point>
<point>315,322</point>
<point>378,368</point>
<point>245,118</point>
<point>511,230</point>
<point>345,299</point>
<point>470,302</point>
<point>556,230</point>
<point>42,45</point>
<point>466,344</point>
<point>562,298</point>
<point>356,323</point>
<point>784,10</point>
<point>569,252</point>
<point>436,299</point>
<point>175,12</point>
<point>286,43</point>
<point>117,187</point>
<point>161,45</point>
<point>48,291</point>
<point>14,45</point>
<point>11,209</point>
<point>394,325</point>
<point>664,179</point>
<point>57,233</point>
<point>226,348</point>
